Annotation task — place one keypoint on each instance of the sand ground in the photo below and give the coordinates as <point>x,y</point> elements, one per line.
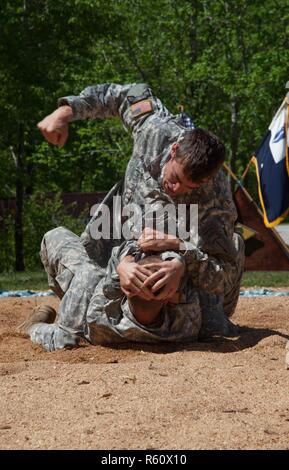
<point>221,394</point>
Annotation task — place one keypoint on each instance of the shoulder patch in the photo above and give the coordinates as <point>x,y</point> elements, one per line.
<point>142,107</point>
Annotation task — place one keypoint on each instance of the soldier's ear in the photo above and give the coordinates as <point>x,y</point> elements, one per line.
<point>174,149</point>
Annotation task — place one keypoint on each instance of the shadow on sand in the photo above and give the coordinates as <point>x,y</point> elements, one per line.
<point>248,338</point>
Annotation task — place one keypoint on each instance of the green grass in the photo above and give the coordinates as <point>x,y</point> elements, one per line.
<point>37,280</point>
<point>266,279</point>
<point>21,281</point>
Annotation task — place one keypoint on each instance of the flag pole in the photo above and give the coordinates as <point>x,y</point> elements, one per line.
<point>247,169</point>
<point>239,183</point>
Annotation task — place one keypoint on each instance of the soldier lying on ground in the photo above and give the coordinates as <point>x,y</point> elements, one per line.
<point>171,163</point>
<point>98,305</point>
<point>129,301</point>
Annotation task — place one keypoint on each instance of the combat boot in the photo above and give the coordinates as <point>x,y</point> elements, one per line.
<point>40,314</point>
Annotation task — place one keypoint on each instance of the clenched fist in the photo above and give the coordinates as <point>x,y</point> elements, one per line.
<point>54,127</point>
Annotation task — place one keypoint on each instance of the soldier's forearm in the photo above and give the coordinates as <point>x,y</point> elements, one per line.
<point>64,113</point>
<point>97,102</point>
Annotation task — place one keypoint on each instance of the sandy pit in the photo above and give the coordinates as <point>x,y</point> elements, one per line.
<point>220,394</point>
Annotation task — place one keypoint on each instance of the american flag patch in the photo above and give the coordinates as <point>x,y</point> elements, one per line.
<point>142,107</point>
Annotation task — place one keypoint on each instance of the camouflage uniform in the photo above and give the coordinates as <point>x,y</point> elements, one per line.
<point>214,265</point>
<point>94,307</point>
<point>73,277</point>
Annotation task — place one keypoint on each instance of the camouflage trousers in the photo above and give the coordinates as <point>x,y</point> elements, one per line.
<point>73,277</point>
<point>85,311</point>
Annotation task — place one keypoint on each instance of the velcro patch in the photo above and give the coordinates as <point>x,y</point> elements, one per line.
<point>142,107</point>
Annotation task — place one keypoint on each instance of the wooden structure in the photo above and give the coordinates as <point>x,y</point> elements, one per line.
<point>266,251</point>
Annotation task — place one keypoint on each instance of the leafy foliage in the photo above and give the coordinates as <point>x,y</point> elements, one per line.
<point>226,62</point>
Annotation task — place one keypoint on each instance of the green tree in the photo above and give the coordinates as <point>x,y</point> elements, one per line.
<point>226,62</point>
<point>44,47</point>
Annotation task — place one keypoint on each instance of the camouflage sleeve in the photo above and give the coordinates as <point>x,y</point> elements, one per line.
<point>132,103</point>
<point>214,254</point>
<point>212,261</point>
<point>97,102</point>
<point>219,272</point>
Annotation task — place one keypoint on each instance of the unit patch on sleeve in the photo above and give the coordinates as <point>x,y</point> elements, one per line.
<point>142,107</point>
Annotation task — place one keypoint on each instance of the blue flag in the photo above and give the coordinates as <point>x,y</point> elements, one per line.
<point>272,166</point>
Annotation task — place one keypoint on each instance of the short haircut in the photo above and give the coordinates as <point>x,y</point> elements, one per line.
<point>202,154</point>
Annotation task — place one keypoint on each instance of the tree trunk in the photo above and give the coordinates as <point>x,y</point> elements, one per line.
<point>234,133</point>
<point>18,227</point>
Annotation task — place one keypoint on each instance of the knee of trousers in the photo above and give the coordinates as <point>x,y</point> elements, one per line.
<point>55,235</point>
<point>60,244</point>
<point>234,277</point>
<point>48,245</point>
<point>240,248</point>
<point>52,237</point>
<point>234,271</point>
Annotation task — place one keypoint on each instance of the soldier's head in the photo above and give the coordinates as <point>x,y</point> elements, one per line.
<point>194,159</point>
<point>145,311</point>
